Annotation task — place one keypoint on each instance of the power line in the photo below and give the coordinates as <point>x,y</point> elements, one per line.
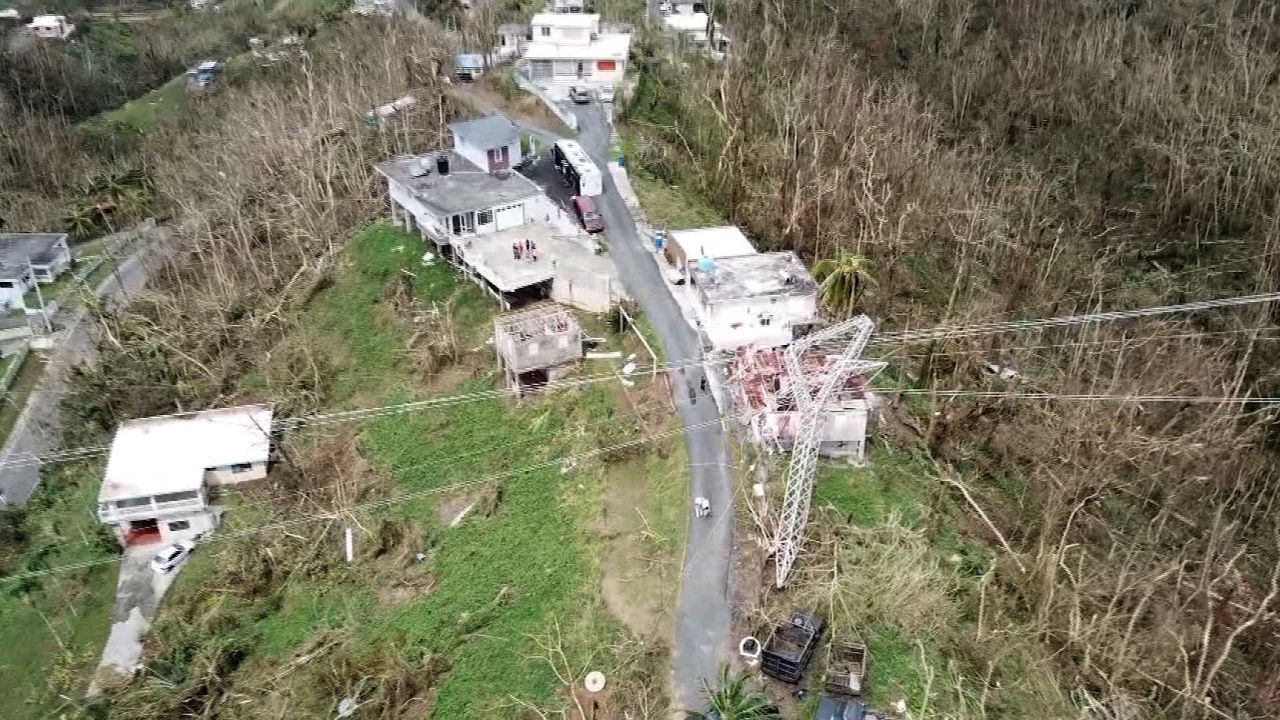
<point>899,337</point>
<point>387,502</point>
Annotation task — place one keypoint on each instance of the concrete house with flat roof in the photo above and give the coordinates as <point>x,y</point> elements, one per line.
<point>757,300</point>
<point>567,49</point>
<point>160,469</point>
<point>27,259</point>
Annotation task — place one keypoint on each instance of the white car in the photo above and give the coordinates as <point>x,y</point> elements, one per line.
<point>605,94</point>
<point>172,556</point>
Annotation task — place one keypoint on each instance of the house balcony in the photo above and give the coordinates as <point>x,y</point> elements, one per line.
<point>112,513</point>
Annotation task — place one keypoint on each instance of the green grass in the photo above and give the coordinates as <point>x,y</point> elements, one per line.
<point>19,391</point>
<point>508,573</point>
<point>670,207</point>
<point>52,630</point>
<point>893,481</point>
<point>141,114</point>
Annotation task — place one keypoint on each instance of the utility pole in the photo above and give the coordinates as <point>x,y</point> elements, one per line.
<point>48,326</point>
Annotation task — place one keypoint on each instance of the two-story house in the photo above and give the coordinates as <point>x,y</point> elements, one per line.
<point>27,259</point>
<point>450,198</point>
<point>50,27</point>
<point>160,469</point>
<point>567,49</point>
<point>757,300</point>
<point>491,143</point>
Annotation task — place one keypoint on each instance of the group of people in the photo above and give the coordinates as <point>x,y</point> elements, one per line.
<point>701,507</point>
<point>527,250</point>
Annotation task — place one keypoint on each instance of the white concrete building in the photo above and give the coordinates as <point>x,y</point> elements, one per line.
<point>753,300</point>
<point>155,488</point>
<point>491,143</point>
<point>27,259</point>
<point>686,247</point>
<point>568,49</point>
<point>566,6</point>
<point>52,27</point>
<point>512,39</point>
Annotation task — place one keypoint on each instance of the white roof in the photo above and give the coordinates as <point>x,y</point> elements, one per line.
<point>157,455</point>
<point>566,20</point>
<point>713,242</point>
<point>612,46</point>
<point>48,19</point>
<point>687,23</point>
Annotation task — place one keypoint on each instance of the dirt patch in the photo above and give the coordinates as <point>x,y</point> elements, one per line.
<point>482,98</point>
<point>632,585</point>
<point>406,590</point>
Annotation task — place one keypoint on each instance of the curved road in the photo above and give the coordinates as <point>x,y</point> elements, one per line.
<point>702,616</point>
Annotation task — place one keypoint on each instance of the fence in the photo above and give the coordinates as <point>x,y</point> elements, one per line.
<point>14,368</point>
<point>565,116</point>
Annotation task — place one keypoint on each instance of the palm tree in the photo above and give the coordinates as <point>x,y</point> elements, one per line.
<point>843,279</point>
<point>734,701</point>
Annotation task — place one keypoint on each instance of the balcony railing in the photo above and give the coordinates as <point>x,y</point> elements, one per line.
<point>109,513</point>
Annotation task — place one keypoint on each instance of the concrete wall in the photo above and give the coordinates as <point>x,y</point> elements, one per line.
<point>565,116</point>
<point>225,476</point>
<point>738,323</point>
<point>480,156</point>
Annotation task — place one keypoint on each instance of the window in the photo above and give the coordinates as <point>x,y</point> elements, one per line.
<point>765,319</point>
<point>546,30</point>
<point>6,283</point>
<point>241,468</point>
<point>178,496</point>
<point>606,65</point>
<point>484,217</point>
<point>180,525</point>
<point>133,502</point>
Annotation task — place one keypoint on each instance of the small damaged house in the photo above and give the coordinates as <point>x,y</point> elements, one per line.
<point>160,470</point>
<point>764,393</point>
<point>536,345</point>
<point>758,300</point>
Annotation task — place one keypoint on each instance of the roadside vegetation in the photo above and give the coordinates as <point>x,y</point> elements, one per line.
<point>490,575</point>
<point>968,161</point>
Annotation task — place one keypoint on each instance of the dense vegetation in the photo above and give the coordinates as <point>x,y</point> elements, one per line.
<point>1023,160</point>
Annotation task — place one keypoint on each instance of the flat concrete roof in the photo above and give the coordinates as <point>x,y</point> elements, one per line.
<point>17,248</point>
<point>753,276</point>
<point>566,20</point>
<point>606,46</point>
<point>169,453</point>
<point>559,255</point>
<point>466,187</point>
<point>713,242</point>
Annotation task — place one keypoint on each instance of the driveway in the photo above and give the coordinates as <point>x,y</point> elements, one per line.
<point>138,594</point>
<point>37,429</point>
<point>702,641</point>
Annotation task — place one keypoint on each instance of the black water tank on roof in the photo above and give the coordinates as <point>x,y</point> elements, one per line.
<point>442,164</point>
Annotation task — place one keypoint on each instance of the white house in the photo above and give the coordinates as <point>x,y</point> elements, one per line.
<point>27,259</point>
<point>566,6</point>
<point>449,197</point>
<point>686,247</point>
<point>568,49</point>
<point>753,300</point>
<point>53,27</point>
<point>160,468</point>
<point>491,143</point>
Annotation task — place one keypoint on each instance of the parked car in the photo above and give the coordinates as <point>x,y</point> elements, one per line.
<point>585,209</point>
<point>605,94</point>
<point>172,556</point>
<point>579,95</point>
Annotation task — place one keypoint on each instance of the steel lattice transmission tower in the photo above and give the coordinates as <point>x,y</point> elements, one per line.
<point>812,391</point>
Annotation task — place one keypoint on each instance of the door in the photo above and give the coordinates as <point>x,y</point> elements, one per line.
<point>509,216</point>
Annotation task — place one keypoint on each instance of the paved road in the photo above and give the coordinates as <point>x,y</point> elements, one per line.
<point>37,428</point>
<point>138,593</point>
<point>702,621</point>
